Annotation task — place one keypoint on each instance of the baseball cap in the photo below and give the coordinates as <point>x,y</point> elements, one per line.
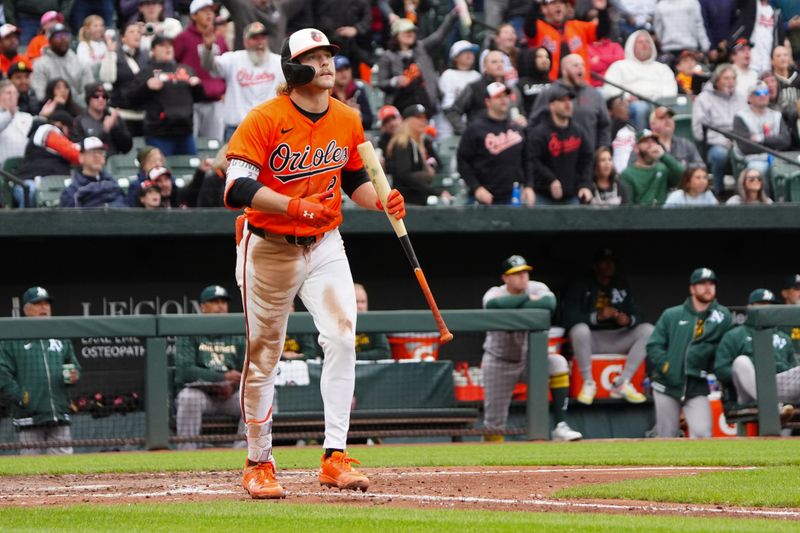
<point>214,292</point>
<point>255,28</point>
<point>49,16</point>
<point>702,274</point>
<point>147,186</point>
<point>56,29</point>
<point>308,39</point>
<point>8,29</point>
<point>497,88</point>
<point>645,134</point>
<point>36,294</point>
<point>161,39</point>
<point>197,5</point>
<point>761,296</point>
<point>415,110</point>
<point>157,172</point>
<point>388,111</point>
<point>740,43</point>
<point>663,112</point>
<point>545,2</point>
<point>514,264</point>
<point>459,47</point>
<point>401,25</point>
<point>687,54</point>
<point>759,88</point>
<point>792,282</point>
<point>92,143</point>
<point>18,66</point>
<point>557,92</point>
<point>341,62</point>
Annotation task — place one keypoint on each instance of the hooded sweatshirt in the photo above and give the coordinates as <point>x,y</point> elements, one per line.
<point>715,108</point>
<point>648,78</point>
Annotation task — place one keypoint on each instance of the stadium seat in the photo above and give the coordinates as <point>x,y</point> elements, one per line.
<point>183,168</point>
<point>48,189</point>
<point>205,144</point>
<point>138,142</point>
<point>122,165</point>
<point>376,99</point>
<point>448,169</point>
<point>6,186</point>
<point>683,127</point>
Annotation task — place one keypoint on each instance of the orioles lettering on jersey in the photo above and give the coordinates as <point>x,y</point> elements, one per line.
<point>288,165</point>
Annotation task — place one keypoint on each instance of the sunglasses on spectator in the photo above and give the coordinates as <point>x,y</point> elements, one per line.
<point>761,92</point>
<point>751,177</point>
<point>104,96</point>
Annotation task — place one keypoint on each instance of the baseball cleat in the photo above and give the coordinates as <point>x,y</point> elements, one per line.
<point>336,472</point>
<point>259,481</point>
<point>563,432</point>
<point>627,391</point>
<point>588,392</point>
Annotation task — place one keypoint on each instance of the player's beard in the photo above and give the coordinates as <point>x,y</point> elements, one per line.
<point>257,57</point>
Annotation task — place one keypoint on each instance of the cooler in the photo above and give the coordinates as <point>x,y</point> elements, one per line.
<point>419,346</point>
<point>605,367</point>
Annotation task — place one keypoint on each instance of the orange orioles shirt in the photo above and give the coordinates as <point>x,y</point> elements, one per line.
<point>298,157</point>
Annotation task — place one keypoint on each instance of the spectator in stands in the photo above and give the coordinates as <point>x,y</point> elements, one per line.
<point>119,67</point>
<point>58,97</point>
<point>789,85</point>
<point>351,91</point>
<point>207,371</point>
<point>558,157</point>
<point>128,10</point>
<point>454,80</point>
<point>547,25</point>
<point>791,296</point>
<point>39,42</point>
<point>470,101</point>
<point>155,21</point>
<point>719,17</point>
<point>750,189</point>
<point>92,42</point>
<point>163,179</point>
<point>681,353</point>
<point>490,153</point>
<point>635,15</point>
<point>641,74</point>
<point>251,75</point>
<point>505,353</point>
<point>761,125</point>
<point>91,186</point>
<point>348,25</point>
<point>208,183</point>
<point>601,317</point>
<point>406,72</point>
<point>100,120</point>
<point>505,40</point>
<point>391,121</point>
<point>623,134</point>
<point>14,124</point>
<point>410,159</point>
<point>692,190</point>
<point>716,106</point>
<point>150,195</point>
<point>740,59</point>
<point>41,158</point>
<point>689,73</point>
<point>534,76</point>
<point>277,16</point>
<point>678,26</point>
<point>653,172</point>
<point>9,47</point>
<point>774,90</point>
<point>589,108</point>
<point>607,188</point>
<point>148,158</point>
<point>59,61</point>
<point>166,90</point>
<point>369,346</point>
<point>208,115</point>
<point>85,8</point>
<point>497,11</point>
<point>603,53</point>
<point>26,15</point>
<point>20,75</point>
<point>662,123</point>
<point>35,375</point>
<point>763,26</point>
<point>735,369</point>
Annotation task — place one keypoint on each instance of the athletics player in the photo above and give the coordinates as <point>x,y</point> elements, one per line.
<point>290,161</point>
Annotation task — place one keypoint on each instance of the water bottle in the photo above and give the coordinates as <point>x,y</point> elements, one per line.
<point>516,195</point>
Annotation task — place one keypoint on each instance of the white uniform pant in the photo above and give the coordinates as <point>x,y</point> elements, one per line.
<point>208,120</point>
<point>271,272</point>
<point>55,434</point>
<point>193,404</point>
<point>744,379</point>
<point>633,342</point>
<point>696,409</point>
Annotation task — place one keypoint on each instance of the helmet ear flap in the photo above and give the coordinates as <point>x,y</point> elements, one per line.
<point>296,74</point>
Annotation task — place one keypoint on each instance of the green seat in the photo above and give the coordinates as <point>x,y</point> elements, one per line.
<point>7,186</point>
<point>138,142</point>
<point>48,189</point>
<point>781,174</point>
<point>683,127</point>
<point>122,165</point>
<point>183,167</point>
<point>205,144</point>
<point>376,98</point>
<point>448,169</point>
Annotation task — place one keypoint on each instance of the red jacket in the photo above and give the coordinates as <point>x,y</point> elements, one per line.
<point>186,46</point>
<point>601,54</point>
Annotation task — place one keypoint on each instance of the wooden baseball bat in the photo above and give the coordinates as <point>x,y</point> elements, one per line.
<point>381,184</point>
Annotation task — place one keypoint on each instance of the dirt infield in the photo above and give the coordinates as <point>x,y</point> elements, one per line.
<point>488,488</point>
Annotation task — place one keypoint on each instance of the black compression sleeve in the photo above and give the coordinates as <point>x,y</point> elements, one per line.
<point>242,192</point>
<point>353,179</point>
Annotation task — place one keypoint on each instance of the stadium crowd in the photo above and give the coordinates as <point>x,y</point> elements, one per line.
<point>537,102</point>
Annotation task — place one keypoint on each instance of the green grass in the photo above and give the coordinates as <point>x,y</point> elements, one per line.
<point>244,516</point>
<point>767,487</point>
<point>718,452</point>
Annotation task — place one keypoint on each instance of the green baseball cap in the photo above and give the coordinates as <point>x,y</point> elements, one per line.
<point>761,296</point>
<point>702,274</point>
<point>36,295</point>
<point>514,264</point>
<point>214,292</point>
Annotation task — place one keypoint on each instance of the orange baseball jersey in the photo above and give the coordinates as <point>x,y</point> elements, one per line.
<point>298,157</point>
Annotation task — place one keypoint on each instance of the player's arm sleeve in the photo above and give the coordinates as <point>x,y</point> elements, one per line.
<point>241,184</point>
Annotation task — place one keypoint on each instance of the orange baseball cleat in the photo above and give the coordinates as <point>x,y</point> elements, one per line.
<point>335,471</point>
<point>259,481</point>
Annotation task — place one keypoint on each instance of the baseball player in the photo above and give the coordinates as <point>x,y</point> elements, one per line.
<point>290,161</point>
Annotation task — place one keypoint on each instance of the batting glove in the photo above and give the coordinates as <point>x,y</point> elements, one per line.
<point>395,204</point>
<point>311,211</point>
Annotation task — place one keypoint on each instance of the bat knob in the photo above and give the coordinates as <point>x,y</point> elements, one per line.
<point>445,337</point>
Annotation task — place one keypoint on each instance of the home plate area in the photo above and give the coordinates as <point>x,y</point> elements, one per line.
<point>487,488</point>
